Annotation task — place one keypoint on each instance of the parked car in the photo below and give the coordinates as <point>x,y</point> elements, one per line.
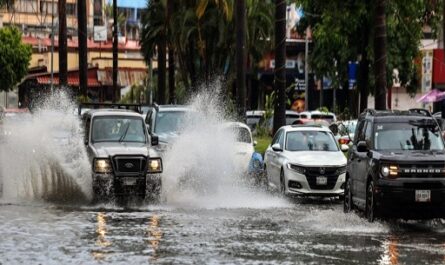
<point>247,161</point>
<point>254,118</point>
<point>306,160</point>
<point>120,150</point>
<point>318,115</point>
<point>396,166</point>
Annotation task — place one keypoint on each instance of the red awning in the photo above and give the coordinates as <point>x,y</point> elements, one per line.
<point>72,81</point>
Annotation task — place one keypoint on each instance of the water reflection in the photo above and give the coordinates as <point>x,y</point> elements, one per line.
<point>101,241</point>
<point>154,235</point>
<point>390,255</point>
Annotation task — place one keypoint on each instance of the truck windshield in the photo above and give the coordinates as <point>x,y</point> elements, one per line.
<point>118,129</point>
<point>310,141</point>
<point>408,136</point>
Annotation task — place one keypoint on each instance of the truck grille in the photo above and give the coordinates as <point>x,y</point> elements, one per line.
<point>330,172</point>
<point>422,170</point>
<point>125,164</point>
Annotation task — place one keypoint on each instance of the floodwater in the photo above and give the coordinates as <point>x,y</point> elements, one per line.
<point>292,232</point>
<point>46,216</point>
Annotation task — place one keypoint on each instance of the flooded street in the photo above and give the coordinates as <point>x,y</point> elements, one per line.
<point>295,232</point>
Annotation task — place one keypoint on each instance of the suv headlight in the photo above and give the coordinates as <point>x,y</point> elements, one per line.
<point>390,171</point>
<point>296,168</point>
<point>102,166</point>
<point>154,165</point>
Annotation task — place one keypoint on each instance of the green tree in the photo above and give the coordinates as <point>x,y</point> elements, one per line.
<point>14,58</point>
<point>203,36</point>
<point>343,31</point>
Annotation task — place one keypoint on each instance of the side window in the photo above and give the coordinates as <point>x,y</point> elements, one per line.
<point>277,136</point>
<point>360,132</point>
<point>281,141</point>
<point>148,120</point>
<point>368,134</point>
<point>87,128</point>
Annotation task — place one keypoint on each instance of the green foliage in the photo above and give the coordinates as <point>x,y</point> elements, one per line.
<point>269,105</point>
<point>343,30</point>
<point>202,33</point>
<point>14,58</point>
<point>134,95</point>
<point>262,143</point>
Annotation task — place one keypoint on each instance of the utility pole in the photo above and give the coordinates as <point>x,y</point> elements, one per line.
<point>63,57</point>
<point>443,47</point>
<point>52,46</point>
<point>306,70</point>
<point>83,47</point>
<point>115,54</point>
<point>279,118</point>
<point>380,55</point>
<point>240,21</point>
<point>171,59</point>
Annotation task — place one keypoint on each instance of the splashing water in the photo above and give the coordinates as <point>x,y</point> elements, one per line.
<point>200,167</point>
<point>43,157</point>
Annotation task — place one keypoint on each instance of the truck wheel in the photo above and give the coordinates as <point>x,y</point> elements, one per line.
<point>370,202</point>
<point>347,202</point>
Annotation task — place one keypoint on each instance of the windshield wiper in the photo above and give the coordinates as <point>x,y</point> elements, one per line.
<point>125,133</point>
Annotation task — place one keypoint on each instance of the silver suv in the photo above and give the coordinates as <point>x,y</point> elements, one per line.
<point>119,148</point>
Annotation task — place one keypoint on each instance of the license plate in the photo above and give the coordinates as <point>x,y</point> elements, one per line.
<point>322,180</point>
<point>423,195</point>
<point>129,181</point>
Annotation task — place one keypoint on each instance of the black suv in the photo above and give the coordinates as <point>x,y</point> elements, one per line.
<point>396,166</point>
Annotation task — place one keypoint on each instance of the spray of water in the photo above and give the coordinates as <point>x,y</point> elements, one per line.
<point>200,167</point>
<point>43,155</point>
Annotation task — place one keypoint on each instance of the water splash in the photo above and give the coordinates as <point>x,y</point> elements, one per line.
<point>200,167</point>
<point>43,155</point>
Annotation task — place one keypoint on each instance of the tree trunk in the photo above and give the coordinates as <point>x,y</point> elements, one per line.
<point>161,69</point>
<point>63,52</point>
<point>240,21</point>
<point>280,70</point>
<point>363,78</point>
<point>380,55</point>
<point>171,75</point>
<point>116,88</point>
<point>171,60</point>
<point>83,57</point>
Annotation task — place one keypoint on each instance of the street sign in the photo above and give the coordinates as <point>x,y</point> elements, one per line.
<point>352,74</point>
<point>100,33</point>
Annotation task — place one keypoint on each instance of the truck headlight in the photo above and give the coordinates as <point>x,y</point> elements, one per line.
<point>154,165</point>
<point>102,166</point>
<point>390,171</point>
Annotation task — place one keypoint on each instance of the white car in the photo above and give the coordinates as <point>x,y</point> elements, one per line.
<point>244,145</point>
<point>318,115</point>
<point>306,160</point>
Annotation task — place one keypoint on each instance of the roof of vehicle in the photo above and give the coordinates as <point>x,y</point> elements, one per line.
<point>396,115</point>
<point>303,127</point>
<point>317,112</point>
<point>112,112</point>
<point>255,113</point>
<point>173,107</point>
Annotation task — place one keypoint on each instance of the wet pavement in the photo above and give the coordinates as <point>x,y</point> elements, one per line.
<point>296,232</point>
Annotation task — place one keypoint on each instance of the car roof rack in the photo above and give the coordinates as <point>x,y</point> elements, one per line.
<point>103,105</point>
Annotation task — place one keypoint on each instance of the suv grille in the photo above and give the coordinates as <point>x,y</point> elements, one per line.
<point>422,170</point>
<point>330,172</point>
<point>125,164</point>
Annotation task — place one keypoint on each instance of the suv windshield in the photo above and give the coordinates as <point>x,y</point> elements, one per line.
<point>310,141</point>
<point>118,129</point>
<point>169,122</point>
<point>407,136</point>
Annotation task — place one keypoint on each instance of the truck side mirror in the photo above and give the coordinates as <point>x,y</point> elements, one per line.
<point>154,140</point>
<point>362,147</point>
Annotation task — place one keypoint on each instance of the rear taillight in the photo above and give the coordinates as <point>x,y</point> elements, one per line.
<point>343,141</point>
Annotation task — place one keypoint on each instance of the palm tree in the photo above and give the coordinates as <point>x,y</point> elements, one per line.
<point>63,53</point>
<point>380,55</point>
<point>240,57</point>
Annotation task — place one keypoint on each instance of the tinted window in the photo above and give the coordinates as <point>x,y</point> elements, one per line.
<point>310,141</point>
<point>169,122</point>
<point>291,118</point>
<point>359,133</point>
<point>407,136</point>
